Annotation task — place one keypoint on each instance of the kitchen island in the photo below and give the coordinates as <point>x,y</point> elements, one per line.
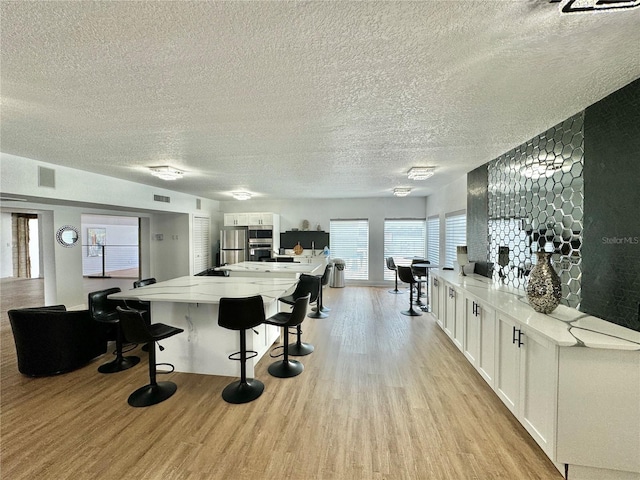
<point>192,303</point>
<point>291,270</point>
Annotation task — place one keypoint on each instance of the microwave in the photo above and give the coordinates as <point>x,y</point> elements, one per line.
<point>260,233</point>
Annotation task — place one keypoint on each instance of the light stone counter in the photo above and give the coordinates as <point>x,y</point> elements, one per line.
<point>565,326</point>
<point>272,269</point>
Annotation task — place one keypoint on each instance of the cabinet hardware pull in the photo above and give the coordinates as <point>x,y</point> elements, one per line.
<point>520,342</point>
<point>513,339</point>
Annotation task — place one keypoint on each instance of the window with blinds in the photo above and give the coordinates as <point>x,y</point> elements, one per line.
<point>433,239</point>
<point>403,239</point>
<point>350,242</point>
<point>455,234</point>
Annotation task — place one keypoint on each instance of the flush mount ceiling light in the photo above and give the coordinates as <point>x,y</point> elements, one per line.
<point>401,192</point>
<point>420,173</point>
<point>572,6</point>
<point>166,172</point>
<point>241,195</point>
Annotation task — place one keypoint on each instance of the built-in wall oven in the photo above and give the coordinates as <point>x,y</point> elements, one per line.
<point>260,243</point>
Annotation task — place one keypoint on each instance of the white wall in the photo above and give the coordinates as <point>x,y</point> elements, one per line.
<point>77,193</point>
<point>320,212</point>
<point>449,198</point>
<point>6,260</point>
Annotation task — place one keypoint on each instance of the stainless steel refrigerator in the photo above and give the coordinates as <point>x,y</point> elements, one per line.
<point>234,245</point>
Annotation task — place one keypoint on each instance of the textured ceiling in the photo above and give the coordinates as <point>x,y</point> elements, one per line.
<point>299,99</point>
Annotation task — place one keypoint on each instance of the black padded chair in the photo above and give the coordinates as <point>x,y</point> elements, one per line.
<point>242,314</point>
<point>324,281</point>
<point>391,265</point>
<point>288,368</point>
<point>104,310</point>
<point>51,340</point>
<point>135,329</point>
<point>307,284</point>
<point>406,275</point>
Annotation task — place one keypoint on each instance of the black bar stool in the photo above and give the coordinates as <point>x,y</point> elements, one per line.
<point>405,274</point>
<point>135,329</point>
<point>145,307</point>
<point>422,274</point>
<point>391,265</point>
<point>288,368</point>
<point>324,281</point>
<point>307,284</point>
<point>241,314</point>
<point>104,310</point>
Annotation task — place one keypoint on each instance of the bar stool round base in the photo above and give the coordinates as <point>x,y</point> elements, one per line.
<point>323,309</point>
<point>300,350</point>
<point>396,291</point>
<point>239,392</point>
<point>411,313</point>
<point>119,364</point>
<point>152,394</point>
<point>317,314</point>
<point>287,369</point>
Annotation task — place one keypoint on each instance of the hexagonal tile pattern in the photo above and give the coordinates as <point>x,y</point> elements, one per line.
<point>535,195</point>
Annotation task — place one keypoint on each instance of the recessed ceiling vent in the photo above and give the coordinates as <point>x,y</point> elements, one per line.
<point>46,177</point>
<point>198,204</point>
<point>161,198</point>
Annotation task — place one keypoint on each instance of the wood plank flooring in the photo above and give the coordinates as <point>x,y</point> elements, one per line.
<point>384,396</point>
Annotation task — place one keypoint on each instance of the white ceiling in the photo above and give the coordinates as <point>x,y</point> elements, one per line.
<point>299,99</point>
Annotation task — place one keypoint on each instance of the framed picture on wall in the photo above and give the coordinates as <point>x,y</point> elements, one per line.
<point>96,239</point>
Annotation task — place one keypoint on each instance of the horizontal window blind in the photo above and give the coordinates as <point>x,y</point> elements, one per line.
<point>433,239</point>
<point>403,239</point>
<point>455,234</point>
<point>350,242</point>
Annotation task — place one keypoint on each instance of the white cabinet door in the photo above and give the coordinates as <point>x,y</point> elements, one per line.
<point>436,294</point>
<point>236,219</point>
<point>538,389</point>
<point>479,338</point>
<point>471,344</point>
<point>449,313</point>
<point>229,219</point>
<point>487,340</point>
<point>507,380</point>
<point>458,325</point>
<point>259,218</point>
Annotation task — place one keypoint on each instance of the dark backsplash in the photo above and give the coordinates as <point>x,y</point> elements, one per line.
<point>611,254</point>
<point>609,249</point>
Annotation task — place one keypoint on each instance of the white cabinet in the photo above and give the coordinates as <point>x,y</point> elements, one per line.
<point>479,337</point>
<point>454,315</point>
<point>526,379</point>
<point>259,219</point>
<point>236,219</point>
<point>252,219</point>
<point>437,289</point>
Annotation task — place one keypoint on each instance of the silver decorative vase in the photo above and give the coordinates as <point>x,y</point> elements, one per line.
<point>543,290</point>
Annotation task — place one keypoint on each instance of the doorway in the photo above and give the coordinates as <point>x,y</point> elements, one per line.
<point>25,245</point>
<point>111,246</point>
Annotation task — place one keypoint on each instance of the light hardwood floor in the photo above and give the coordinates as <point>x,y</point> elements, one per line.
<point>384,396</point>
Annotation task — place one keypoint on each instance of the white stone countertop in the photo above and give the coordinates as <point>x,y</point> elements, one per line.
<point>273,267</point>
<point>209,289</point>
<point>564,326</point>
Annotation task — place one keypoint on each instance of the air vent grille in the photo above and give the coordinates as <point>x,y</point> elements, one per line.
<point>46,177</point>
<point>198,204</point>
<point>161,198</point>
